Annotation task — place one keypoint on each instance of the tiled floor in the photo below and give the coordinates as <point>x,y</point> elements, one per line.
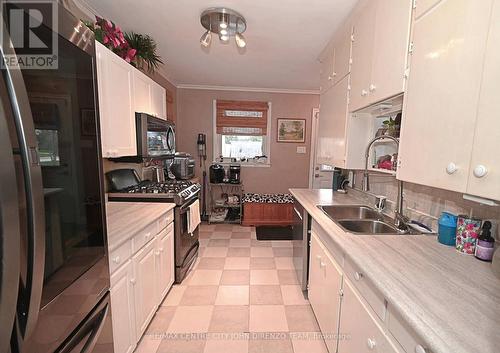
<point>242,296</point>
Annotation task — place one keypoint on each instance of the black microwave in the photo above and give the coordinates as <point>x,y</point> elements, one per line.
<point>155,137</point>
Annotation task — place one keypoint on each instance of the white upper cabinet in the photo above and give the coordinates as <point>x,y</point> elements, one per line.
<point>158,101</point>
<point>342,41</point>
<point>484,173</point>
<point>423,6</point>
<point>332,125</point>
<point>442,96</point>
<point>390,53</point>
<point>362,54</point>
<point>327,61</point>
<point>379,51</point>
<point>116,104</point>
<point>142,92</point>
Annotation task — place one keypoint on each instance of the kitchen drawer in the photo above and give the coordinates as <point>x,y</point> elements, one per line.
<point>363,284</point>
<point>144,236</point>
<point>165,220</point>
<point>120,255</point>
<point>405,336</point>
<point>329,244</point>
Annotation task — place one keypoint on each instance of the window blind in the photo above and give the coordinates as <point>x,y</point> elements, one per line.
<point>241,117</point>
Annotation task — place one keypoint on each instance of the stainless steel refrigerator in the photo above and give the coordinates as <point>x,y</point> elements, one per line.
<point>54,276</point>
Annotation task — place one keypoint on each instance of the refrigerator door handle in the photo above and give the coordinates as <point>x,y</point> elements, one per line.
<point>9,233</point>
<point>33,188</point>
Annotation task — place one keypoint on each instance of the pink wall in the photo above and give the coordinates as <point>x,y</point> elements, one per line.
<point>288,168</point>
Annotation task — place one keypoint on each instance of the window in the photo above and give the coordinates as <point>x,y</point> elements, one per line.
<point>242,133</point>
<point>48,146</point>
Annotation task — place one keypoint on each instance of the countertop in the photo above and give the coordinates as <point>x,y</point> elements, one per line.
<point>451,301</point>
<point>125,219</point>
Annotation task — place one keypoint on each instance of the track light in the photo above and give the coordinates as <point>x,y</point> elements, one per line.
<point>206,38</point>
<point>240,40</point>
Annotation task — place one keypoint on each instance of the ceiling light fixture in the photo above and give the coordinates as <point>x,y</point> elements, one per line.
<point>225,23</point>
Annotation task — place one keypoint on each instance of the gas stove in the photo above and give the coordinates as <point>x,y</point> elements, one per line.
<point>176,191</point>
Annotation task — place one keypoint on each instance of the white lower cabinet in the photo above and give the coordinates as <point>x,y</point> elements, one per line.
<point>142,273</point>
<point>359,329</point>
<point>146,300</point>
<point>123,309</point>
<point>325,282</point>
<point>165,262</point>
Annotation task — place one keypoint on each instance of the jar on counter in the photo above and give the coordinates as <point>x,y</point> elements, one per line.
<point>485,244</point>
<point>467,234</point>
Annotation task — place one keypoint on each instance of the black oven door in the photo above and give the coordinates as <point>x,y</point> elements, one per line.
<point>186,244</point>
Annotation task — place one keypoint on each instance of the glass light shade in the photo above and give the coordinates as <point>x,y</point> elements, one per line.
<point>206,38</point>
<point>240,40</point>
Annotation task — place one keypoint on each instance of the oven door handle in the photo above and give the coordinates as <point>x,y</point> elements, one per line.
<point>185,208</point>
<point>28,150</point>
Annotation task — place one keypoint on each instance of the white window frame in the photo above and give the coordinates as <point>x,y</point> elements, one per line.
<point>217,144</point>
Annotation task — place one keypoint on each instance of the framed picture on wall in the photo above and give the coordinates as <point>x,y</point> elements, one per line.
<point>292,130</point>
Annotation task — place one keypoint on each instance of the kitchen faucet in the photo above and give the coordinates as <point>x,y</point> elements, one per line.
<point>400,221</point>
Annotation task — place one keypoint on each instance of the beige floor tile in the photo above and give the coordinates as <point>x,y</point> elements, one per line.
<point>270,346</point>
<point>224,227</point>
<point>300,318</point>
<point>232,295</point>
<point>191,319</point>
<point>308,342</point>
<point>284,263</point>
<point>221,235</point>
<point>229,318</point>
<point>262,263</point>
<point>181,346</point>
<point>270,295</point>
<point>283,252</point>
<point>293,295</point>
<point>219,251</point>
<point>287,277</point>
<point>261,252</point>
<point>260,243</point>
<point>239,228</point>
<point>204,277</point>
<point>282,243</point>
<point>238,252</point>
<point>199,295</point>
<point>210,263</point>
<point>239,243</point>
<point>241,235</point>
<point>161,320</point>
<point>267,318</point>
<point>263,277</point>
<point>207,227</point>
<point>148,344</point>
<point>174,296</point>
<point>203,242</point>
<point>226,345</point>
<point>204,234</point>
<point>235,277</point>
<point>218,243</point>
<point>237,263</point>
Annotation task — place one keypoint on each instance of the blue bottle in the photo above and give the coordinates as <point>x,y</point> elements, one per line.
<point>447,228</point>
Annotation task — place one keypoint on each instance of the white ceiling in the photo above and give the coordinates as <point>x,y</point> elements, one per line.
<point>284,39</point>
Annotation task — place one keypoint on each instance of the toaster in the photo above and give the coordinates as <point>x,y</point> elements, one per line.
<point>183,166</point>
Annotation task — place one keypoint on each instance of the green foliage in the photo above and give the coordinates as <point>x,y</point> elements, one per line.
<point>146,50</point>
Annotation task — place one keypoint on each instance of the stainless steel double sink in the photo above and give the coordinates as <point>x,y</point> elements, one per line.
<point>360,219</point>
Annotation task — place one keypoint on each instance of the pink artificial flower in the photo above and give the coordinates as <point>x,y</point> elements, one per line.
<point>130,55</point>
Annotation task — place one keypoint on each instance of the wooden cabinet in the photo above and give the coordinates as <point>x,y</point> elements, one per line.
<point>145,286</point>
<point>364,333</point>
<point>116,102</point>
<point>165,264</point>
<point>325,283</point>
<point>487,134</point>
<point>332,125</point>
<point>379,51</point>
<point>442,95</point>
<point>123,309</point>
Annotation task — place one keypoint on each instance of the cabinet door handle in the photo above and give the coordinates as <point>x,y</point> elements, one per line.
<point>371,343</point>
<point>322,264</point>
<point>147,236</point>
<point>364,93</point>
<point>157,252</point>
<point>451,168</point>
<point>373,88</point>
<point>133,281</point>
<point>160,249</point>
<point>358,276</point>
<point>480,171</point>
<point>116,259</point>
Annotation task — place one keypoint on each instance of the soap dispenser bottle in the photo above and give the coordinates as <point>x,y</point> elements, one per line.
<point>485,243</point>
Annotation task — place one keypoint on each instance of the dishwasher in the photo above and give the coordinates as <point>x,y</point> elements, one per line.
<point>301,236</point>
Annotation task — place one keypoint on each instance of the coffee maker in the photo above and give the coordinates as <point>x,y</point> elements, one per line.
<point>234,174</point>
